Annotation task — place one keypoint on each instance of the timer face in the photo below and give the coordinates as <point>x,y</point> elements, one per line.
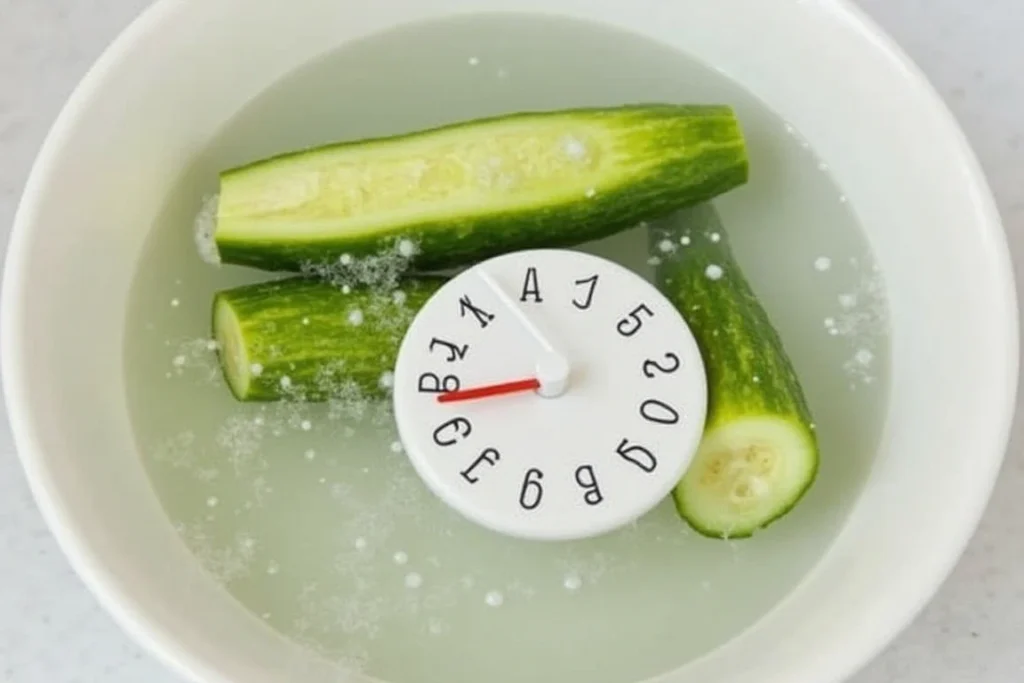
<point>550,394</point>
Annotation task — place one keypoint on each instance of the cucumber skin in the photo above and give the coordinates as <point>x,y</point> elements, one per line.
<point>730,307</point>
<point>687,153</point>
<point>271,316</point>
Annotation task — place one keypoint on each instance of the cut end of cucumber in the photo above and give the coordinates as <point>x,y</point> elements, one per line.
<point>747,473</point>
<point>227,331</point>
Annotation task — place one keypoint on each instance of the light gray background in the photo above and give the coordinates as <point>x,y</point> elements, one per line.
<point>51,629</point>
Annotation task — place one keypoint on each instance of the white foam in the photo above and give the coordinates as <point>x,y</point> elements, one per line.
<point>203,230</point>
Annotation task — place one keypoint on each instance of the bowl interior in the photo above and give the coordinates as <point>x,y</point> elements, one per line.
<point>159,97</point>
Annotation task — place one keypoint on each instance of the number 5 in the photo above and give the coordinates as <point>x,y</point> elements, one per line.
<point>632,323</point>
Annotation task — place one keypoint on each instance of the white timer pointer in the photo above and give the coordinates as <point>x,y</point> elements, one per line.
<point>553,367</point>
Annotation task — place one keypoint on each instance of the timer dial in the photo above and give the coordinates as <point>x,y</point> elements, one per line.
<point>550,394</point>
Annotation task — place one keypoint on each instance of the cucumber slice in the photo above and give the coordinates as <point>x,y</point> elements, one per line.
<point>457,194</point>
<point>759,453</point>
<point>306,339</point>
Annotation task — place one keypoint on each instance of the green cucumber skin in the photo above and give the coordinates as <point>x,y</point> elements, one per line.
<point>298,327</point>
<point>735,335</point>
<point>684,154</point>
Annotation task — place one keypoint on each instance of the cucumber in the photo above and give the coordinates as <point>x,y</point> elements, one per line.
<point>306,339</point>
<point>461,193</point>
<point>759,451</point>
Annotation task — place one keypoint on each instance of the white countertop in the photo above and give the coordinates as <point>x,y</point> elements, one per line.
<point>52,630</point>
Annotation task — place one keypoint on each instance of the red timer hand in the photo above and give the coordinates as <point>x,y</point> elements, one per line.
<point>489,390</point>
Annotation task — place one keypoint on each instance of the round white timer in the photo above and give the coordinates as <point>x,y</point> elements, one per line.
<point>550,394</point>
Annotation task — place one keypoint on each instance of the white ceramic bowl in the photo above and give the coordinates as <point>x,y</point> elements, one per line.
<point>186,66</point>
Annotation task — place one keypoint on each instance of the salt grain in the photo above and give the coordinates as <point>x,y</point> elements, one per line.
<point>355,317</point>
<point>346,289</point>
<point>360,543</point>
<point>273,568</point>
<point>666,246</point>
<point>654,261</point>
<point>413,580</point>
<point>494,599</point>
<point>574,149</point>
<point>398,297</point>
<point>396,447</point>
<point>715,237</point>
<point>406,248</point>
<point>590,193</point>
<point>387,380</point>
<point>305,321</point>
<point>847,300</point>
<point>473,61</point>
<point>175,302</point>
<point>306,425</point>
<point>684,240</point>
<point>212,501</point>
<point>310,454</point>
<point>400,557</point>
<point>864,356</point>
<point>256,369</point>
<point>714,272</point>
<point>573,582</point>
<point>345,259</point>
<point>822,263</point>
<point>286,382</point>
<point>179,361</point>
<point>830,323</point>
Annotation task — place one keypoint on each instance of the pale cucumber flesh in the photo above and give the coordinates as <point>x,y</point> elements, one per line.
<point>747,472</point>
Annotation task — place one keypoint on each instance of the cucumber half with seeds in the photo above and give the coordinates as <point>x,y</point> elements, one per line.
<point>471,190</point>
<point>307,340</point>
<point>759,453</point>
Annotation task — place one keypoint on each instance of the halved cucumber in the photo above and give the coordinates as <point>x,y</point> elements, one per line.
<point>759,453</point>
<point>306,339</point>
<point>457,194</point>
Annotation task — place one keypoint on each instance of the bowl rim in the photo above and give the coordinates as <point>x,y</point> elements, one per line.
<point>163,645</point>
